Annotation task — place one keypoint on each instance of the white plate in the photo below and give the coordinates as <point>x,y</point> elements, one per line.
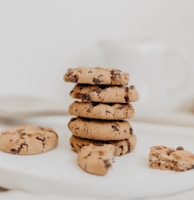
<point>57,171</point>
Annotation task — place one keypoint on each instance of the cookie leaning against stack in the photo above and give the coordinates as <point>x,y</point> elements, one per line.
<point>103,110</point>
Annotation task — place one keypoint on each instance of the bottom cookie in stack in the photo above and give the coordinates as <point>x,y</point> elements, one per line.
<point>86,131</point>
<point>122,147</point>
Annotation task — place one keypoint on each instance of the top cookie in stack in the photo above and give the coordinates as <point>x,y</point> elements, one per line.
<point>103,108</point>
<point>96,76</point>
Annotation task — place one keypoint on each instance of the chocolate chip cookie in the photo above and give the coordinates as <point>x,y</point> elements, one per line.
<point>100,129</point>
<point>105,93</point>
<point>96,159</point>
<point>27,140</point>
<point>114,111</point>
<point>96,76</point>
<point>122,147</point>
<point>166,158</point>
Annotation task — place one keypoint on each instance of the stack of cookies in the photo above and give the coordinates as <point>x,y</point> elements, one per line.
<point>102,109</point>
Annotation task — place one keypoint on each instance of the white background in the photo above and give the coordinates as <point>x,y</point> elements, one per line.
<point>40,39</point>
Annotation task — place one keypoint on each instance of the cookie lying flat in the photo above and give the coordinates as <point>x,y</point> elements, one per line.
<point>96,76</point>
<point>105,93</point>
<point>96,159</point>
<point>122,147</point>
<point>100,129</point>
<point>106,111</point>
<point>27,140</point>
<point>165,158</point>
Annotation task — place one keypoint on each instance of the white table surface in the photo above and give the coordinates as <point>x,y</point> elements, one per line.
<point>186,194</point>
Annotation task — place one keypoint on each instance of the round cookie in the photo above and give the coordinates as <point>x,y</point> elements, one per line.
<point>122,147</point>
<point>96,159</point>
<point>105,93</point>
<point>114,111</point>
<point>96,76</point>
<point>28,140</point>
<point>100,129</point>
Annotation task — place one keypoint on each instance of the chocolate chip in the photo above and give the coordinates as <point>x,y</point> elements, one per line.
<point>89,110</point>
<point>130,131</point>
<point>81,145</point>
<point>115,128</point>
<point>192,167</point>
<point>126,95</point>
<point>22,145</point>
<point>132,87</point>
<point>40,138</point>
<point>107,164</point>
<point>121,147</point>
<point>74,79</point>
<point>69,72</point>
<point>180,148</point>
<point>85,97</point>
<point>127,99</point>
<point>14,151</point>
<point>96,80</point>
<point>129,146</point>
<point>93,104</point>
<point>70,77</point>
<point>98,91</point>
<point>23,135</point>
<point>115,74</point>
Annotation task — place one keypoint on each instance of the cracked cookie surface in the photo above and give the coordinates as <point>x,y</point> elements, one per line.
<point>96,76</point>
<point>122,147</point>
<point>167,158</point>
<point>111,111</point>
<point>28,140</point>
<point>105,93</point>
<point>100,129</point>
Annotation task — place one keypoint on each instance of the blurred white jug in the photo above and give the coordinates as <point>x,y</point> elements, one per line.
<point>160,73</point>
